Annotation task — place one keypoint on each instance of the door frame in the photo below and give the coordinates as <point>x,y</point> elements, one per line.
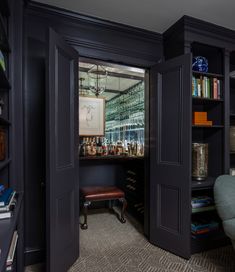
<point>146,132</point>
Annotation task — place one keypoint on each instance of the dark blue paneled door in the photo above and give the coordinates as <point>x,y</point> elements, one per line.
<point>170,144</point>
<point>62,194</point>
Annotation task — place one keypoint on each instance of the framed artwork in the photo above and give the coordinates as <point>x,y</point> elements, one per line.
<point>91,116</point>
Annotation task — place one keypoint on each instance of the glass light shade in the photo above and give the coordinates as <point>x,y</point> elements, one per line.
<point>97,77</point>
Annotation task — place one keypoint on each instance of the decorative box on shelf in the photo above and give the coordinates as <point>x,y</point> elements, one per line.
<point>200,118</point>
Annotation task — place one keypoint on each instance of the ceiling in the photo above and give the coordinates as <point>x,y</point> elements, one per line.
<point>120,78</point>
<point>154,15</point>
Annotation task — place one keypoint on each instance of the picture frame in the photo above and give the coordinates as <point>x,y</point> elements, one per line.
<point>91,116</point>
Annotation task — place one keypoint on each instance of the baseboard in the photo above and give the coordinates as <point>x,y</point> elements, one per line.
<point>34,255</point>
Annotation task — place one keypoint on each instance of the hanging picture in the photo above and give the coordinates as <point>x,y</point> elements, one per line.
<point>91,116</point>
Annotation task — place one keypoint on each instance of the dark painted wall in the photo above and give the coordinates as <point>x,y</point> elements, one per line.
<point>92,38</point>
<point>34,114</point>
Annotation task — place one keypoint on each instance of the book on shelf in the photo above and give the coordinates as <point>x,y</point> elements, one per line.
<point>12,201</point>
<point>2,188</point>
<point>205,235</point>
<point>206,87</point>
<point>2,61</point>
<point>11,253</point>
<point>203,209</point>
<point>202,224</point>
<point>5,196</point>
<point>201,201</point>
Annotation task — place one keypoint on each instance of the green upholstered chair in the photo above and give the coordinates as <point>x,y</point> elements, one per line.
<point>224,195</point>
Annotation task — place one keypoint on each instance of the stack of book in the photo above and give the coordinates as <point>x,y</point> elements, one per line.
<point>206,87</point>
<point>202,228</point>
<point>7,202</point>
<point>200,119</point>
<point>11,253</point>
<point>202,203</point>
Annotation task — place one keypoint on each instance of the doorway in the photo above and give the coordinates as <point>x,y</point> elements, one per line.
<point>116,157</point>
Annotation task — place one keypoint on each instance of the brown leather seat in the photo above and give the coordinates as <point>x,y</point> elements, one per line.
<point>100,193</point>
<point>96,193</point>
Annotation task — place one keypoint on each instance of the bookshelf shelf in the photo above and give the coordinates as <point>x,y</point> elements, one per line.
<point>215,239</point>
<point>204,184</point>
<point>208,74</point>
<point>203,209</point>
<point>7,228</point>
<point>204,126</point>
<point>197,99</point>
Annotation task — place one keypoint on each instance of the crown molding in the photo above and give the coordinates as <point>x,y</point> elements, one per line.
<point>45,10</point>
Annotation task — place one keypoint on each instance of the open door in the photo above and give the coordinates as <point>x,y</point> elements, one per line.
<point>62,194</point>
<point>170,162</point>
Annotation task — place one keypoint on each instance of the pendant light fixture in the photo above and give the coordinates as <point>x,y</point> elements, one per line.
<point>97,77</point>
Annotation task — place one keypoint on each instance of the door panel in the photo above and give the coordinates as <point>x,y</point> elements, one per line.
<point>170,144</point>
<point>62,192</point>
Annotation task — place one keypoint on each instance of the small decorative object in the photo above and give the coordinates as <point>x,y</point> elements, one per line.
<point>232,171</point>
<point>200,119</point>
<point>199,161</point>
<point>91,116</point>
<point>232,138</point>
<point>2,145</point>
<point>200,64</point>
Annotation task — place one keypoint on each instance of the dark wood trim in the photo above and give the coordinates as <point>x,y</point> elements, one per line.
<point>201,31</point>
<point>142,48</point>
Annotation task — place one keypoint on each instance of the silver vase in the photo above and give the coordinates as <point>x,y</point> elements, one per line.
<point>199,161</point>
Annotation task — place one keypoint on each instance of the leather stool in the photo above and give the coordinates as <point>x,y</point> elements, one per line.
<point>101,193</point>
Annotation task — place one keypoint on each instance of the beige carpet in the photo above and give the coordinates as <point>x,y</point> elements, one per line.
<point>109,246</point>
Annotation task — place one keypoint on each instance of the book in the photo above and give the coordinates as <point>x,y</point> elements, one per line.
<point>2,61</point>
<point>203,209</point>
<point>11,253</point>
<point>215,88</point>
<point>4,215</point>
<point>2,188</point>
<point>12,201</point>
<point>203,224</point>
<point>203,198</point>
<point>5,197</point>
<point>219,88</point>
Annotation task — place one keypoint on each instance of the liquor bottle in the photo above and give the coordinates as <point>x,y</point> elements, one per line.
<point>119,148</point>
<point>104,147</point>
<point>88,146</point>
<point>93,147</point>
<point>99,147</point>
<point>82,151</point>
<point>126,153</point>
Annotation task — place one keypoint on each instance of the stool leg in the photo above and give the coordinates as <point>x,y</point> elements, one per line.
<point>85,210</point>
<point>124,205</point>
